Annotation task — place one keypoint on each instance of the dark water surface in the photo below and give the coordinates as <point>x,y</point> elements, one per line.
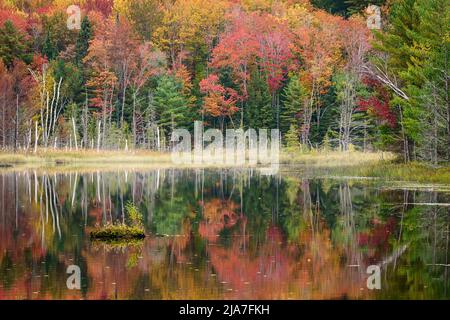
<point>221,234</point>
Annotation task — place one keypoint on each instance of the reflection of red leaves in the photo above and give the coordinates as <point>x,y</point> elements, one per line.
<point>275,234</point>
<point>378,238</point>
<point>218,215</point>
<point>97,214</point>
<point>179,243</point>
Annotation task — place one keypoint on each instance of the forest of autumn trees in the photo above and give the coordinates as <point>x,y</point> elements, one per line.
<point>137,69</point>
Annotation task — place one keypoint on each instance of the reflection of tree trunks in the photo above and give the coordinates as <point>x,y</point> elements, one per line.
<point>55,203</point>
<point>446,250</point>
<point>36,187</point>
<point>403,211</point>
<point>29,192</point>
<point>133,188</point>
<point>102,199</point>
<point>121,204</point>
<point>277,179</point>
<point>306,200</point>
<point>308,214</point>
<point>42,220</point>
<point>172,185</point>
<point>98,186</point>
<point>433,198</point>
<point>394,256</point>
<point>346,209</point>
<point>44,183</point>
<point>16,201</point>
<point>84,206</point>
<point>51,203</point>
<point>74,189</point>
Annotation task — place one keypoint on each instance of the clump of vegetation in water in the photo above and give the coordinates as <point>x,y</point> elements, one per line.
<point>134,215</point>
<point>117,245</point>
<point>122,231</point>
<point>118,231</point>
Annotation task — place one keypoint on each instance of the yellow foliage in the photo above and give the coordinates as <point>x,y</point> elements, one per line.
<point>187,24</point>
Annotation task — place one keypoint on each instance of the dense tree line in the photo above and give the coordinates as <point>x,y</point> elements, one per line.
<point>137,69</point>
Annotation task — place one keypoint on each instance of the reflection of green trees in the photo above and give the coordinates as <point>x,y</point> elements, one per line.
<point>348,210</point>
<point>56,226</point>
<point>291,215</point>
<point>169,215</point>
<point>421,272</point>
<point>173,204</point>
<point>260,203</point>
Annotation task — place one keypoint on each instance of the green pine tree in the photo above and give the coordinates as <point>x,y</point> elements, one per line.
<point>416,43</point>
<point>332,6</point>
<point>292,139</point>
<point>431,46</point>
<point>397,43</point>
<point>356,6</point>
<point>326,143</point>
<point>345,7</point>
<point>13,45</point>
<point>293,96</point>
<point>258,110</point>
<point>170,103</point>
<point>49,48</point>
<point>82,44</point>
<point>72,84</point>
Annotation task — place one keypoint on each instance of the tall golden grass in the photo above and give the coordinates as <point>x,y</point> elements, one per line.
<point>353,163</point>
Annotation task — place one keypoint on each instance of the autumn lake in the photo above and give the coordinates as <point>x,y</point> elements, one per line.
<point>222,234</point>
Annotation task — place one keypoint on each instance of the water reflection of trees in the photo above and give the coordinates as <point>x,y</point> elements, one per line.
<point>222,233</point>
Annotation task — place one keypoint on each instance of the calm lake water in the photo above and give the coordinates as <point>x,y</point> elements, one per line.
<point>221,234</point>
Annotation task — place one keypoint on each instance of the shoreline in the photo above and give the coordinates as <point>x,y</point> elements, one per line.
<point>58,157</point>
<point>381,165</point>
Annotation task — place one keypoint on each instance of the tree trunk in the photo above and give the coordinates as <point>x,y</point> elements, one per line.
<point>75,133</point>
<point>98,134</point>
<point>16,130</point>
<point>447,102</point>
<point>85,123</point>
<point>36,137</point>
<point>134,121</point>
<point>404,138</point>
<point>3,120</point>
